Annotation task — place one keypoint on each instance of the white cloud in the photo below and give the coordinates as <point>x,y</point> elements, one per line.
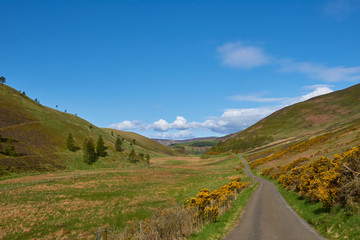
<point>317,71</point>
<point>174,135</point>
<point>161,125</point>
<point>240,55</point>
<point>317,92</point>
<point>179,123</point>
<point>232,120</point>
<point>127,125</point>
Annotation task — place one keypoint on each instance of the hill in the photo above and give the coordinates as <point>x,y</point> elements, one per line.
<point>317,116</point>
<point>39,135</point>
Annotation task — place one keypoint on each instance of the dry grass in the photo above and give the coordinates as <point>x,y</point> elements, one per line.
<point>65,205</point>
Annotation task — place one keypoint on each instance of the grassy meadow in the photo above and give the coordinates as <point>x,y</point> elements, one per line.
<point>72,204</point>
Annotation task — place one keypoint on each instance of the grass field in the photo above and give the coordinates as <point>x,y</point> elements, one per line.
<point>72,204</point>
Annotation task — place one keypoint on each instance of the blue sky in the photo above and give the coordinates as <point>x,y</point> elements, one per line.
<point>178,69</point>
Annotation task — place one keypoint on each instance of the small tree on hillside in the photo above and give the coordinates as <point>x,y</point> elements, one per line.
<point>100,147</point>
<point>118,144</point>
<point>2,79</point>
<point>147,158</point>
<point>89,151</point>
<point>10,150</point>
<point>132,156</point>
<point>70,143</point>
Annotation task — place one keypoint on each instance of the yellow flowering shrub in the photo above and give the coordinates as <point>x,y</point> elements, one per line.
<point>207,203</point>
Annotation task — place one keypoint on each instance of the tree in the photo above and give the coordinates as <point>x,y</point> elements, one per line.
<point>100,147</point>
<point>2,79</point>
<point>118,144</point>
<point>147,158</point>
<point>133,142</point>
<point>89,151</point>
<point>70,143</point>
<point>10,150</point>
<point>132,156</point>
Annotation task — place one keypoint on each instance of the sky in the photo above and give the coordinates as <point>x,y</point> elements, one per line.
<point>178,69</point>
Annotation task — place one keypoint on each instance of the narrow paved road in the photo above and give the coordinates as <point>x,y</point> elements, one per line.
<point>267,216</point>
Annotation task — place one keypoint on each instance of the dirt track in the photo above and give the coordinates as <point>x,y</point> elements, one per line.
<point>268,217</point>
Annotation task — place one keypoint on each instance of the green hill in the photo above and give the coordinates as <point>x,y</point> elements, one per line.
<point>317,116</point>
<point>39,135</point>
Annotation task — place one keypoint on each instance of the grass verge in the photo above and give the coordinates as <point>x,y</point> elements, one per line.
<point>332,223</point>
<point>218,229</point>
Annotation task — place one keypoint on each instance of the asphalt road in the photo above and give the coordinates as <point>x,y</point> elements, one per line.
<point>267,216</point>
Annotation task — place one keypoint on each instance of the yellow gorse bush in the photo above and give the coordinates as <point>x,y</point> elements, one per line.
<point>207,203</point>
<point>326,180</point>
<point>299,147</point>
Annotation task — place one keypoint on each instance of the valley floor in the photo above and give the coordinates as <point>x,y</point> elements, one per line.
<point>73,204</point>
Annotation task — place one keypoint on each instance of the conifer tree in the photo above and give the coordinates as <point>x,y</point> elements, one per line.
<point>2,79</point>
<point>118,144</point>
<point>89,151</point>
<point>100,147</point>
<point>147,158</point>
<point>70,143</point>
<point>132,156</point>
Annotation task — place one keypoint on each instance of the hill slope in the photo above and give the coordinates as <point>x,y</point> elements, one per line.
<point>39,135</point>
<point>316,116</point>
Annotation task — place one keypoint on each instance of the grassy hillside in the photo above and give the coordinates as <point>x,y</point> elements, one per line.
<point>39,135</point>
<point>316,116</point>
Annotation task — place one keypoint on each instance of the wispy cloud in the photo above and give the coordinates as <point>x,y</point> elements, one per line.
<point>239,55</point>
<point>242,56</point>
<point>340,8</point>
<point>255,98</point>
<point>232,120</point>
<point>321,72</point>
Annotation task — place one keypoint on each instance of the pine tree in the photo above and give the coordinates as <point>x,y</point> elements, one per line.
<point>2,79</point>
<point>89,152</point>
<point>100,147</point>
<point>132,156</point>
<point>70,143</point>
<point>118,144</point>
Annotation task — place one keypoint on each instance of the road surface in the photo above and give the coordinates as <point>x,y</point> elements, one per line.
<point>267,216</point>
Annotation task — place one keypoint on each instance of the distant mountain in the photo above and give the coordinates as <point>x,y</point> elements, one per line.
<point>168,142</point>
<point>39,135</point>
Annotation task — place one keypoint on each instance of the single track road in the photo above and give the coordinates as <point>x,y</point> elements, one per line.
<point>268,216</point>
